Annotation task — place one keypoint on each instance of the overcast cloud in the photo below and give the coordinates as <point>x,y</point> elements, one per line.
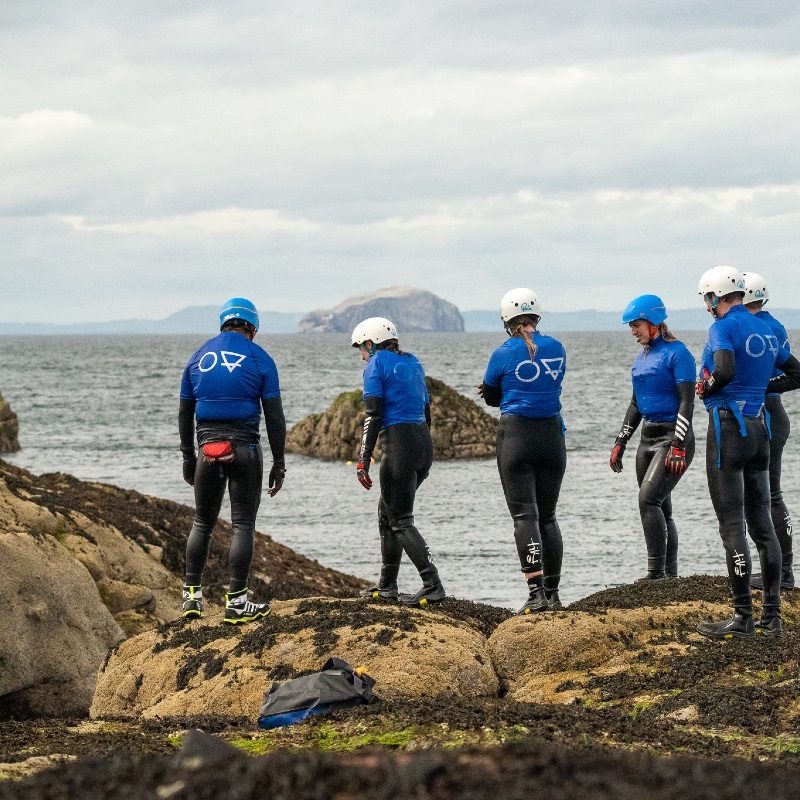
<point>155,155</point>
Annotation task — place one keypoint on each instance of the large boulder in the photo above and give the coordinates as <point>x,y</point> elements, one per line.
<point>9,428</point>
<point>56,630</point>
<point>459,427</point>
<point>205,668</point>
<point>412,310</point>
<point>85,564</point>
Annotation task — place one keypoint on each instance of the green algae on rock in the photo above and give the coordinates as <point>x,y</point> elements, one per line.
<point>459,427</point>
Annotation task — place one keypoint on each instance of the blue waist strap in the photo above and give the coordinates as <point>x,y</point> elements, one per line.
<point>738,416</point>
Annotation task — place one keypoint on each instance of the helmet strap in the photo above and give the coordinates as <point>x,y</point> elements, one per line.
<point>653,331</point>
<point>712,302</point>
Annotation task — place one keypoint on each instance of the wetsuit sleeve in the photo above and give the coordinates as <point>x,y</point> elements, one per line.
<point>631,421</point>
<point>683,424</point>
<point>186,425</point>
<point>372,427</point>
<point>723,373</point>
<point>428,414</point>
<point>275,422</point>
<point>790,379</point>
<point>492,395</point>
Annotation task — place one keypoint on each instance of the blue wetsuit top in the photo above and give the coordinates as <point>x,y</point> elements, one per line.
<point>228,377</point>
<point>400,381</point>
<point>656,374</point>
<point>779,331</point>
<point>528,388</point>
<point>756,350</point>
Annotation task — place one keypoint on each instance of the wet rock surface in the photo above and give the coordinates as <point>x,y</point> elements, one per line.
<point>460,428</point>
<point>9,428</point>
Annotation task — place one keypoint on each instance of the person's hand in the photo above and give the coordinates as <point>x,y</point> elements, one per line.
<point>189,467</point>
<point>276,476</point>
<point>480,389</point>
<point>703,384</point>
<point>615,462</point>
<point>675,462</point>
<point>362,473</point>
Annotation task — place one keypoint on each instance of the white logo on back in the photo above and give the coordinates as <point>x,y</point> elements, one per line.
<point>231,365</point>
<point>548,368</point>
<point>210,360</point>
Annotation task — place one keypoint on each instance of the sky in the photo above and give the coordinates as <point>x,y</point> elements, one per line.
<point>159,154</point>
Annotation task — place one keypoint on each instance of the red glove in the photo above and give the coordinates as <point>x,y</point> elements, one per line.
<point>362,473</point>
<point>675,462</point>
<point>702,384</point>
<point>615,462</point>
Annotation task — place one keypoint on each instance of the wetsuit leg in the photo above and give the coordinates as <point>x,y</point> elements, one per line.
<point>391,549</point>
<point>406,462</point>
<point>549,472</point>
<point>729,494</point>
<point>655,501</point>
<point>518,477</point>
<point>209,489</point>
<point>244,485</point>
<point>781,519</point>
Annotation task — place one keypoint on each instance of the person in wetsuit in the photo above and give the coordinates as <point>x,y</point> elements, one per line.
<point>226,384</point>
<point>756,296</point>
<point>663,377</point>
<point>398,408</point>
<point>737,365</point>
<point>523,378</point>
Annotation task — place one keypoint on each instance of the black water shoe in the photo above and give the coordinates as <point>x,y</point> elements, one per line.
<point>378,593</point>
<point>737,627</point>
<point>770,626</point>
<point>553,600</point>
<point>432,590</point>
<point>537,602</point>
<point>651,576</point>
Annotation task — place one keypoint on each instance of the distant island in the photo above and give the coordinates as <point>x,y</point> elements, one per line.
<point>413,310</point>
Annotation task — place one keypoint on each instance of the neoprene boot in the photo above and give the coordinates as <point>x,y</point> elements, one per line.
<point>739,626</point>
<point>192,602</point>
<point>432,590</point>
<point>655,570</point>
<point>386,588</point>
<point>550,584</point>
<point>537,601</point>
<point>240,609</point>
<point>770,623</point>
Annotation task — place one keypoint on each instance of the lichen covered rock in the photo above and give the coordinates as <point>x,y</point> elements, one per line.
<point>9,428</point>
<point>459,427</point>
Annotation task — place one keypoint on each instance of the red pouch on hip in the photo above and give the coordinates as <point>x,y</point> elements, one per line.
<point>218,453</point>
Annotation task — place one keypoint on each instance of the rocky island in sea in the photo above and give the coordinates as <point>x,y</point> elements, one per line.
<point>460,429</point>
<point>412,310</point>
<point>101,682</point>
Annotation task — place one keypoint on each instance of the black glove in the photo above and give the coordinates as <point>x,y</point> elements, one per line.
<point>189,466</point>
<point>276,476</point>
<point>615,462</point>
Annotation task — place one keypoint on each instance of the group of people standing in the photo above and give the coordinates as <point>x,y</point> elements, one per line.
<point>746,365</point>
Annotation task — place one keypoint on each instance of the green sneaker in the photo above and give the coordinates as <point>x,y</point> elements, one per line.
<point>192,602</point>
<point>240,609</point>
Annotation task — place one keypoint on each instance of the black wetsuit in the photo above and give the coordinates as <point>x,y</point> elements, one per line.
<point>781,519</point>
<point>532,459</point>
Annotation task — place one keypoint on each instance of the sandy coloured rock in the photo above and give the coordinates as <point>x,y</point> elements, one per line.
<point>207,668</point>
<point>460,428</point>
<point>9,428</point>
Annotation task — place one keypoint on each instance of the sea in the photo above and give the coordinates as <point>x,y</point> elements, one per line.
<point>104,408</point>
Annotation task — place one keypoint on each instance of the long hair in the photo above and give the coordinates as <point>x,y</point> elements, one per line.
<point>666,334</point>
<point>516,327</point>
<point>392,346</point>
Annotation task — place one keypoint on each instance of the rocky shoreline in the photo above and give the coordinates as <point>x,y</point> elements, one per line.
<point>616,696</point>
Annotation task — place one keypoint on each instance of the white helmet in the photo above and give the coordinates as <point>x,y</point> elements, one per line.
<point>755,288</point>
<point>721,281</point>
<point>378,329</point>
<point>519,301</point>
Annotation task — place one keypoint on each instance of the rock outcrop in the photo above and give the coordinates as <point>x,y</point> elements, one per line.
<point>86,564</point>
<point>459,427</point>
<point>412,310</point>
<point>206,668</point>
<point>9,428</point>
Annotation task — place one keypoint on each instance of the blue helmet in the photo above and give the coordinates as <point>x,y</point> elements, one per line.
<point>647,306</point>
<point>239,308</point>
